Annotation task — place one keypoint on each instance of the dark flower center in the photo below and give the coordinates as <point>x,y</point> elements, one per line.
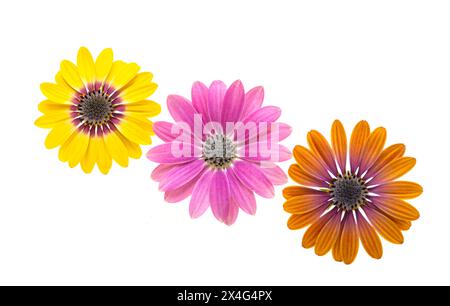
<point>219,151</point>
<point>348,191</point>
<point>95,107</point>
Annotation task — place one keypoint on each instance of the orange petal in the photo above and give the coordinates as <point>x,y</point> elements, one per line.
<point>369,238</point>
<point>394,170</point>
<point>384,226</point>
<point>305,203</point>
<point>372,149</point>
<point>295,191</point>
<point>328,235</point>
<point>321,148</point>
<point>309,162</point>
<point>300,176</point>
<point>403,225</point>
<point>358,139</point>
<point>300,221</point>
<point>399,189</point>
<point>396,208</point>
<point>349,240</point>
<point>339,143</point>
<point>310,237</point>
<point>337,254</point>
<point>388,155</point>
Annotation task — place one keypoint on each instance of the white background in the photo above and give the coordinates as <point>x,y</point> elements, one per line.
<point>384,61</point>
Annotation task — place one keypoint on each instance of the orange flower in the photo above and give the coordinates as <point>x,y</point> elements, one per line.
<point>347,200</point>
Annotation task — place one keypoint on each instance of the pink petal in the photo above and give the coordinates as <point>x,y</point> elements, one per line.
<point>219,196</point>
<point>181,110</point>
<point>163,154</point>
<point>216,95</point>
<point>277,153</point>
<point>253,178</point>
<point>181,174</point>
<point>164,130</point>
<point>241,195</point>
<point>179,194</point>
<point>200,99</point>
<point>232,213</point>
<point>160,171</point>
<point>265,114</point>
<point>275,174</point>
<point>233,103</point>
<point>200,195</point>
<point>253,100</point>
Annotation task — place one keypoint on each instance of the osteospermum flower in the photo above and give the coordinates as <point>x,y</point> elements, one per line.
<point>350,193</point>
<point>97,111</point>
<point>222,167</point>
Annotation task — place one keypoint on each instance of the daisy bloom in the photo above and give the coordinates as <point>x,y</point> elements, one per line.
<point>229,149</point>
<point>98,111</point>
<point>350,193</point>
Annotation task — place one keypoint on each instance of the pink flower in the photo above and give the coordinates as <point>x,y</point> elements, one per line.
<point>221,150</point>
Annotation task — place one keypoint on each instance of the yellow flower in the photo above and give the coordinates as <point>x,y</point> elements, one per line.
<point>98,111</point>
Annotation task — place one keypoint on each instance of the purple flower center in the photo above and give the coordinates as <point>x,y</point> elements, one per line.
<point>95,107</point>
<point>348,191</point>
<point>219,151</point>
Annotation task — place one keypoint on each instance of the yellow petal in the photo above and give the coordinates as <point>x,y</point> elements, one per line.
<point>145,108</point>
<point>57,93</point>
<point>116,148</point>
<point>116,67</point>
<point>103,64</point>
<point>86,66</point>
<point>134,150</point>
<point>137,93</point>
<point>49,107</point>
<point>104,160</point>
<point>126,75</point>
<point>59,79</point>
<point>143,78</point>
<point>59,134</point>
<point>74,148</point>
<point>71,75</point>
<point>52,119</point>
<point>134,132</point>
<point>89,159</point>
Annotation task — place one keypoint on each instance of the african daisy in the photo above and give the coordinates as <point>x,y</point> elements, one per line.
<point>350,194</point>
<point>97,111</point>
<point>221,149</point>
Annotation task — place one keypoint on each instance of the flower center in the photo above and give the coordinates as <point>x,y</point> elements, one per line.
<point>219,151</point>
<point>348,191</point>
<point>95,107</point>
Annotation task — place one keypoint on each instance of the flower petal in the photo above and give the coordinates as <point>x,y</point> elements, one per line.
<point>328,235</point>
<point>275,175</point>
<point>369,238</point>
<point>305,203</point>
<point>219,196</point>
<point>116,149</point>
<point>349,239</point>
<point>71,75</point>
<point>399,189</point>
<point>200,195</point>
<point>233,103</point>
<point>339,144</point>
<point>295,191</point>
<point>396,208</point>
<point>253,178</point>
<point>300,221</point>
<point>311,234</point>
<point>163,154</point>
<point>216,95</point>
<point>164,130</point>
<point>394,170</point>
<point>181,110</point>
<point>86,66</point>
<point>388,155</point>
<point>322,150</point>
<point>253,100</point>
<point>103,64</point>
<point>372,149</point>
<point>303,178</point>
<point>161,171</point>
<point>199,95</point>
<point>181,174</point>
<point>181,193</point>
<point>57,93</point>
<point>309,163</point>
<point>358,139</point>
<point>264,114</point>
<point>241,195</point>
<point>59,134</point>
<point>384,226</point>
